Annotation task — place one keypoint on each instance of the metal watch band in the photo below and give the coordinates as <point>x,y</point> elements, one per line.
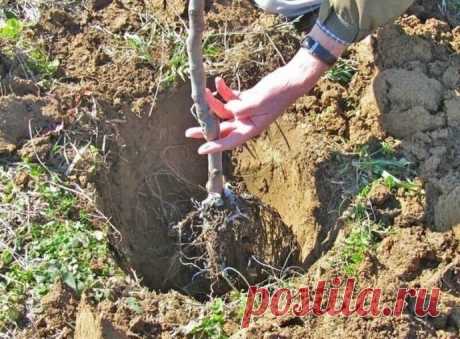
<point>316,49</point>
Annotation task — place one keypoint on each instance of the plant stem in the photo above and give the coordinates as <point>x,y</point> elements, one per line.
<point>209,123</point>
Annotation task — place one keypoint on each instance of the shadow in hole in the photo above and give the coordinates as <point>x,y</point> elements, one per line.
<point>153,175</point>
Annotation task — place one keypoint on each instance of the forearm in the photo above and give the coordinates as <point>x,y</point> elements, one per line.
<point>305,69</point>
<point>340,23</point>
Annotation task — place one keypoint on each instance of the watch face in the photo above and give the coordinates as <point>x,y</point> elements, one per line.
<point>308,42</point>
<point>317,50</point>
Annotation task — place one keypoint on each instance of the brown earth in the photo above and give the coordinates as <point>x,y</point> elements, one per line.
<point>407,88</point>
<point>21,117</point>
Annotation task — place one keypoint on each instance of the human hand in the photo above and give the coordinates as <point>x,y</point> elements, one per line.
<point>248,113</point>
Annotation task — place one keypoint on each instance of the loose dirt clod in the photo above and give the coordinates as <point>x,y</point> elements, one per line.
<point>19,117</point>
<point>91,325</point>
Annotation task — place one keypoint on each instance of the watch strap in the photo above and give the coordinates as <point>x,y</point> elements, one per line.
<point>316,49</point>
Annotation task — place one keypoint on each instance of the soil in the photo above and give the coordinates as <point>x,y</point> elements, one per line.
<point>137,313</point>
<point>297,178</point>
<point>244,236</point>
<point>156,192</point>
<point>427,124</point>
<point>59,305</point>
<point>21,117</point>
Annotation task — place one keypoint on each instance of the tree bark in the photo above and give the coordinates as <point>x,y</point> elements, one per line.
<point>208,122</point>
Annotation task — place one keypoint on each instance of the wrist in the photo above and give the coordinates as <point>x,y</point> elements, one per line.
<point>333,46</point>
<point>310,67</point>
<point>306,68</point>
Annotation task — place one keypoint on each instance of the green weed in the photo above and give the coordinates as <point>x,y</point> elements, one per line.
<point>211,48</point>
<point>177,67</point>
<point>140,45</point>
<point>11,29</point>
<point>342,72</point>
<point>355,247</point>
<point>380,167</point>
<point>394,183</point>
<point>41,63</point>
<point>34,57</point>
<point>49,237</point>
<point>387,148</point>
<point>211,326</point>
<point>239,299</point>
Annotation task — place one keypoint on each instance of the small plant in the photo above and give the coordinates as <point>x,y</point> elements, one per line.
<point>387,148</point>
<point>372,166</point>
<point>49,238</point>
<point>211,48</point>
<point>11,29</point>
<point>36,60</point>
<point>342,72</point>
<point>354,250</point>
<point>40,63</point>
<point>139,44</point>
<point>211,326</point>
<point>134,305</point>
<point>238,299</point>
<point>394,183</point>
<point>177,67</point>
<point>377,168</point>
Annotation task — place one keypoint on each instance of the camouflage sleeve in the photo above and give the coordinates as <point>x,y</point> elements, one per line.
<point>351,20</point>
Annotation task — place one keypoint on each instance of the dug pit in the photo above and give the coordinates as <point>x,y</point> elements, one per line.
<point>154,179</point>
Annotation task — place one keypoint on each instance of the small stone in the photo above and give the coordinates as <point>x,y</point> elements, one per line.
<point>379,195</point>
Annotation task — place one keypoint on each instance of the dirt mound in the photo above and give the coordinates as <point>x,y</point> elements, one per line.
<point>93,326</point>
<point>429,261</point>
<point>59,305</point>
<point>21,116</point>
<point>416,94</point>
<point>447,215</point>
<point>136,313</point>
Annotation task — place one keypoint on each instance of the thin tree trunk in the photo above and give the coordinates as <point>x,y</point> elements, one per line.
<point>207,120</point>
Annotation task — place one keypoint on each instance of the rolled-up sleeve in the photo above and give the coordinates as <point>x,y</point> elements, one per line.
<point>348,21</point>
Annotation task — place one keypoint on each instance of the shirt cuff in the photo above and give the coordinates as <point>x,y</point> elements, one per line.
<point>333,32</point>
<point>337,28</point>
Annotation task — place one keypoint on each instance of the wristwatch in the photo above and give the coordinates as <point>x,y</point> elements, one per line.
<point>316,49</point>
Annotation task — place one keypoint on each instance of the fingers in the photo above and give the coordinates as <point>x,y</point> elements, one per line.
<point>197,133</point>
<point>235,106</point>
<point>233,139</point>
<point>217,106</point>
<point>239,108</point>
<point>225,92</point>
<point>194,133</point>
